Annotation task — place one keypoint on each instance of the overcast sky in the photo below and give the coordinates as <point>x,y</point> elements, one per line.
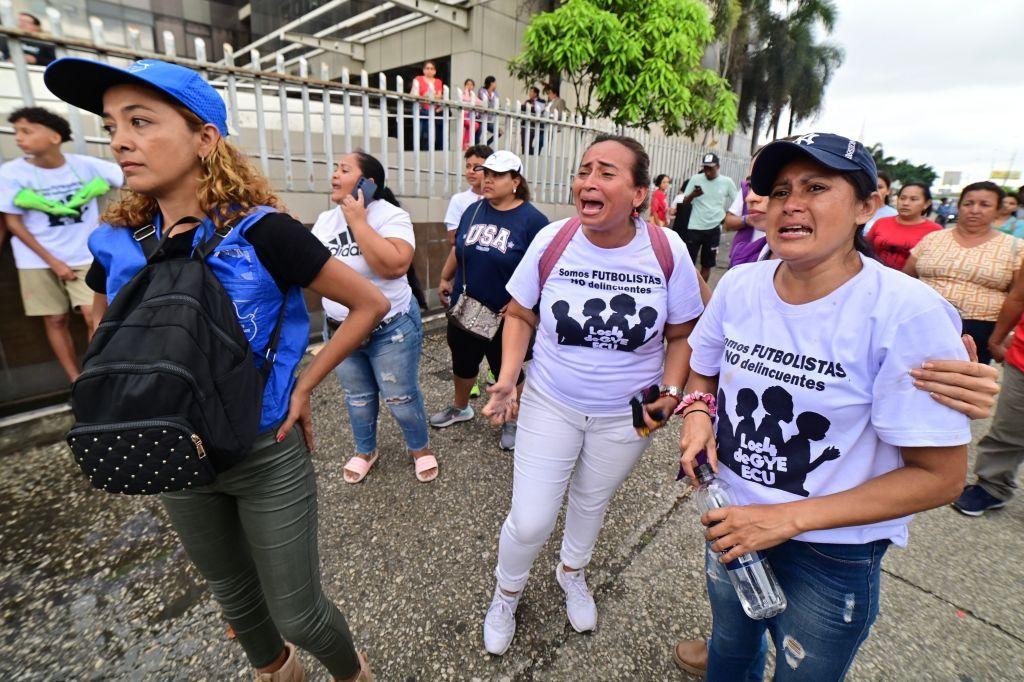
<point>935,81</point>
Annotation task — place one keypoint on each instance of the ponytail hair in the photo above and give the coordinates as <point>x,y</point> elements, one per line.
<point>863,187</point>
<point>372,169</point>
<point>523,189</point>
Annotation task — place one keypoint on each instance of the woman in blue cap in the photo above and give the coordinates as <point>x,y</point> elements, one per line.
<point>847,448</point>
<point>253,532</point>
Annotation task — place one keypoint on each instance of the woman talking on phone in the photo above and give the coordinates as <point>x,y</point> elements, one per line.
<point>369,232</point>
<point>252,532</point>
<point>492,236</point>
<point>616,299</point>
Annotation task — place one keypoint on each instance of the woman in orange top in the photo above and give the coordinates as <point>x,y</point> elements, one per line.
<point>972,265</point>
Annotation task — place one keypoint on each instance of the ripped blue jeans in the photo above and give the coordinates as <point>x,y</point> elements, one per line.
<point>386,366</point>
<point>832,600</point>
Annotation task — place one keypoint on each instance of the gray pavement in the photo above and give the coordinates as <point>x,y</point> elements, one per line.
<point>95,586</point>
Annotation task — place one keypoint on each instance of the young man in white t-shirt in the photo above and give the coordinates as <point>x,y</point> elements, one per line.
<point>49,202</point>
<point>457,205</point>
<point>475,156</point>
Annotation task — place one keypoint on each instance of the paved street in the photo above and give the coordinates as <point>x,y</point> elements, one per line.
<point>94,586</point>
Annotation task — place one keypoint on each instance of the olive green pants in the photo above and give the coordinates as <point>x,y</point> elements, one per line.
<point>253,536</point>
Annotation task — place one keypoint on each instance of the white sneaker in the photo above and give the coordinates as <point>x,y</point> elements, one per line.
<point>579,603</point>
<point>500,622</point>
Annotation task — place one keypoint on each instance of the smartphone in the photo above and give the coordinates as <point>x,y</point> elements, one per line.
<point>636,404</point>
<point>369,188</point>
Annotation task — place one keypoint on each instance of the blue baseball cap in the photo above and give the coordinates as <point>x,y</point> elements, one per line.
<point>833,151</point>
<point>82,83</point>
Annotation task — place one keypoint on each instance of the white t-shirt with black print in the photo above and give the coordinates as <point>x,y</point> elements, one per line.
<point>391,222</point>
<point>736,208</point>
<point>815,399</point>
<point>602,313</point>
<point>457,206</point>
<point>65,237</point>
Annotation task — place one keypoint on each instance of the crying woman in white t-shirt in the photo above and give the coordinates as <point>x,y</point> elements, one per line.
<point>821,432</point>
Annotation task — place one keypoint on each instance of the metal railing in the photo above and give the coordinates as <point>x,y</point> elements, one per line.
<point>295,124</point>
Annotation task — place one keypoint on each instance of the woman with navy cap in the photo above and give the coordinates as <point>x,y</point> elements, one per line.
<point>252,533</point>
<point>844,448</point>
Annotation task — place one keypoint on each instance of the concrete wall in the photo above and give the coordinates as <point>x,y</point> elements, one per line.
<point>494,37</point>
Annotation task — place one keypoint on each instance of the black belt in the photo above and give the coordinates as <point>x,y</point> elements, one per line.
<point>334,325</point>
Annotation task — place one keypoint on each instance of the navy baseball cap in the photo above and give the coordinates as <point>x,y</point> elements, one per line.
<point>82,82</point>
<point>833,151</point>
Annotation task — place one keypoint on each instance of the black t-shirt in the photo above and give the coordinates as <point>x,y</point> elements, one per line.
<point>289,252</point>
<point>43,53</point>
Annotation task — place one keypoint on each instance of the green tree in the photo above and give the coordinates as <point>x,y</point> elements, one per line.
<point>902,171</point>
<point>637,63</point>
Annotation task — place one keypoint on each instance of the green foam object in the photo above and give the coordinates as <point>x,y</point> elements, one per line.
<point>31,200</point>
<point>96,187</point>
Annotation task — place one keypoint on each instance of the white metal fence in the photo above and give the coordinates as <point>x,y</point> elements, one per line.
<point>295,124</point>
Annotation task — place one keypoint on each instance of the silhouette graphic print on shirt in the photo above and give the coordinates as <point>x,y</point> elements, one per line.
<point>760,453</point>
<point>614,332</point>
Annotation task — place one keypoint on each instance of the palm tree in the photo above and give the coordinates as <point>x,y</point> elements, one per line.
<point>774,61</point>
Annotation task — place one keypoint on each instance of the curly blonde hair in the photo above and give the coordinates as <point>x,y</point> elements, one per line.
<point>229,187</point>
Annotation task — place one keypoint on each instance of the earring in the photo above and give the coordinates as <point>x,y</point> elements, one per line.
<point>636,212</point>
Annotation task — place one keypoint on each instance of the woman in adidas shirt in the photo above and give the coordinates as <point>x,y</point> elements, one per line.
<point>252,533</point>
<point>614,309</point>
<point>821,432</point>
<point>374,236</point>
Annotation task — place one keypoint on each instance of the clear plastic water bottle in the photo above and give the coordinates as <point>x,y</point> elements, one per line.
<point>751,576</point>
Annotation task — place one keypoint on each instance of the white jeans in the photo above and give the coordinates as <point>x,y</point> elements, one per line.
<point>554,443</point>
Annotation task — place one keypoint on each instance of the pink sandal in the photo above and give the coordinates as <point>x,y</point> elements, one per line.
<point>425,463</point>
<point>360,467</point>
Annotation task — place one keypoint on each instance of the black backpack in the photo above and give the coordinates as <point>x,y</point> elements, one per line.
<point>169,394</point>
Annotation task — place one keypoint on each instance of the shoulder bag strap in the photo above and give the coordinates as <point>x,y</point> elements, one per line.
<point>469,226</point>
<point>662,251</point>
<point>556,248</point>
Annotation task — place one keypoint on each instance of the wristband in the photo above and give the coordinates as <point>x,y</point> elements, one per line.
<point>687,414</point>
<point>691,398</point>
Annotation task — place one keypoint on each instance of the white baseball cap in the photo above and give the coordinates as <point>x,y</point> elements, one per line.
<point>502,161</point>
